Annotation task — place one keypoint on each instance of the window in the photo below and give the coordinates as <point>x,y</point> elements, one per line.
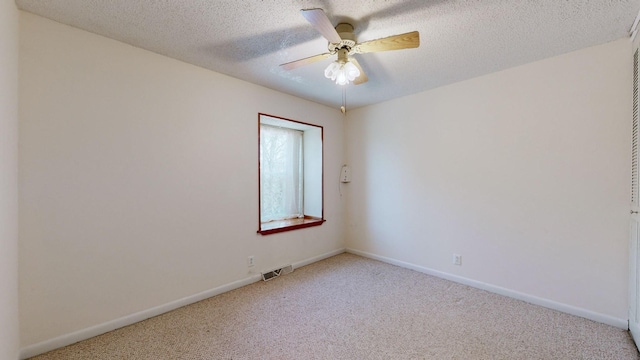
<point>290,175</point>
<point>281,173</point>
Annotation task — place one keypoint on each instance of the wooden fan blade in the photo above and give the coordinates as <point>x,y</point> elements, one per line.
<point>363,77</point>
<point>321,22</point>
<point>306,61</point>
<point>395,42</point>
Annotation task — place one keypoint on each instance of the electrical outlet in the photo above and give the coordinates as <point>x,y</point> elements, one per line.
<point>457,259</point>
<point>251,261</point>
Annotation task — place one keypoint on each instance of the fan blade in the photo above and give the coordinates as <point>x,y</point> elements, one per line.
<point>363,77</point>
<point>321,22</point>
<point>395,42</point>
<point>306,61</point>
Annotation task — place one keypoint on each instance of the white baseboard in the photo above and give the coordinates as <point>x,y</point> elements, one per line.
<point>306,262</point>
<point>74,337</point>
<point>587,314</point>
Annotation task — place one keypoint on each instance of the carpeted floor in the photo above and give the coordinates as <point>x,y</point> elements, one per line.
<point>349,307</point>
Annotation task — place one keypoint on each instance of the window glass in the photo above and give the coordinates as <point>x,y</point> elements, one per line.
<point>281,173</point>
<point>290,175</point>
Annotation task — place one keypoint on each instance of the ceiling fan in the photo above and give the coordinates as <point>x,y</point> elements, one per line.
<point>343,43</point>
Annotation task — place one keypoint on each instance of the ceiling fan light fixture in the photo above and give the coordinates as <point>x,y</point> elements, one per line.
<point>342,73</point>
<point>343,42</point>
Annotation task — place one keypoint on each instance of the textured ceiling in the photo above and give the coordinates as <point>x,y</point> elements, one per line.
<point>248,39</point>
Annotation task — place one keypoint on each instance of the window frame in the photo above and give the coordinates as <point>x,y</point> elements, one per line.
<point>306,221</point>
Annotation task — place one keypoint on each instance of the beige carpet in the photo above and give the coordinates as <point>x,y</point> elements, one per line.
<point>349,307</point>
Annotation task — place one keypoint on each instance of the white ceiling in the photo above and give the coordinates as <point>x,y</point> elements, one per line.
<point>248,39</point>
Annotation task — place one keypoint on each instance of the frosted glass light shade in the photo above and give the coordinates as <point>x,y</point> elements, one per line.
<point>342,74</point>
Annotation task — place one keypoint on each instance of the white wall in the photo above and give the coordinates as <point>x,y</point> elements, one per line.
<point>524,172</point>
<point>8,181</point>
<point>139,180</point>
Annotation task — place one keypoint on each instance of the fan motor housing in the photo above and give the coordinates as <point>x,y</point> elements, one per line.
<point>345,31</point>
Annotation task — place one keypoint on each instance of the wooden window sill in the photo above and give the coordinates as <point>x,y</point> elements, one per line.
<point>273,227</point>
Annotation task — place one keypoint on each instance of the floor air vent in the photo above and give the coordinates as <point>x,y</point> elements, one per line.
<point>266,276</point>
